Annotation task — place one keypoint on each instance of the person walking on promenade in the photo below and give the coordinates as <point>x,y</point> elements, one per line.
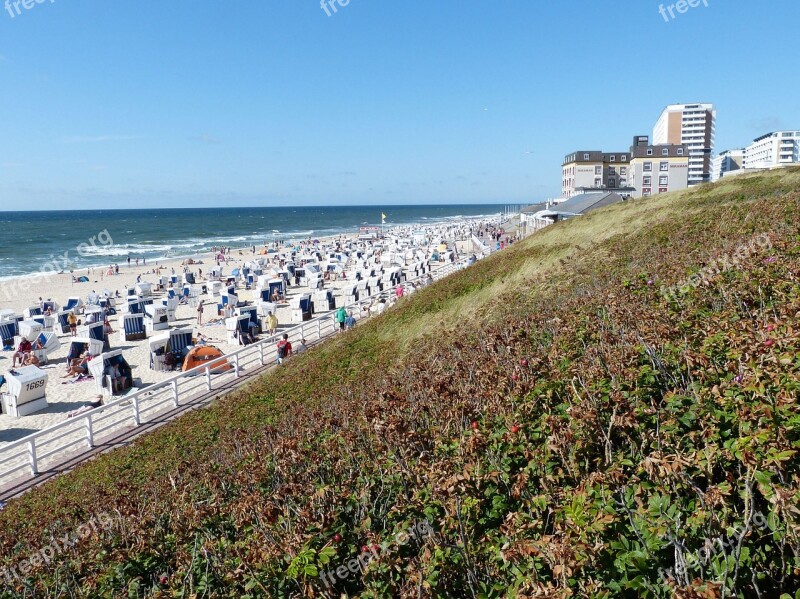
<point>272,323</point>
<point>341,316</point>
<point>284,349</point>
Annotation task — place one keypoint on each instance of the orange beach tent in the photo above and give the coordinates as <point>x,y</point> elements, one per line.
<point>206,355</point>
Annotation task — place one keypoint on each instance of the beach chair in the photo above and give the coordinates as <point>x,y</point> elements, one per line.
<point>93,299</point>
<point>236,326</point>
<point>215,288</point>
<point>252,313</point>
<point>171,292</point>
<point>188,278</point>
<point>96,331</point>
<point>8,331</point>
<point>277,286</point>
<point>301,308</point>
<point>322,301</point>
<point>264,308</point>
<point>144,289</point>
<point>168,350</point>
<point>27,391</point>
<point>92,314</point>
<point>74,304</point>
<point>48,322</point>
<point>50,305</point>
<point>156,318</point>
<point>62,322</point>
<point>29,329</point>
<point>32,311</point>
<point>131,327</point>
<point>171,304</point>
<point>111,372</point>
<point>77,345</point>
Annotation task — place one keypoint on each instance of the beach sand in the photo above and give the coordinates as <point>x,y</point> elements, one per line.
<point>64,397</point>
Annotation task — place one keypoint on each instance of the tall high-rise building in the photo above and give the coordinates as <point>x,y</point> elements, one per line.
<point>693,125</point>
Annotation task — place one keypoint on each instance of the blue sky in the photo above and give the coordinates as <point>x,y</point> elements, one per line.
<point>272,102</point>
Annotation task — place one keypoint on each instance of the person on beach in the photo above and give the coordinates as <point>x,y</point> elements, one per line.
<point>301,347</point>
<point>107,326</point>
<point>200,313</point>
<point>284,349</point>
<point>350,322</point>
<point>23,351</point>
<point>272,323</point>
<point>72,321</point>
<point>79,366</point>
<point>30,360</point>
<point>341,316</point>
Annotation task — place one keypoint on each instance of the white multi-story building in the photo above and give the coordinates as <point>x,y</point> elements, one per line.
<point>727,162</point>
<point>693,125</point>
<point>772,150</point>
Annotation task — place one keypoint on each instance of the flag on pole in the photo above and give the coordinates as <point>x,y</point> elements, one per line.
<point>383,218</point>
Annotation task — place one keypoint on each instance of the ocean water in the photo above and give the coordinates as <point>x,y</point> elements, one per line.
<point>33,242</point>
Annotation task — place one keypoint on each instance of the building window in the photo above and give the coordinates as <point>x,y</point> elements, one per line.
<point>680,151</point>
<point>665,152</point>
<point>663,180</point>
<point>598,182</point>
<point>649,152</point>
<point>586,156</point>
<point>664,166</point>
<point>613,158</point>
<point>648,180</point>
<point>646,191</point>
<point>624,157</point>
<point>612,183</point>
<point>612,170</point>
<point>662,190</point>
<point>648,167</point>
<point>598,170</point>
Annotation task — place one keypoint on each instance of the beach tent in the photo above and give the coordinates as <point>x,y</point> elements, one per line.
<point>83,279</point>
<point>111,373</point>
<point>206,356</point>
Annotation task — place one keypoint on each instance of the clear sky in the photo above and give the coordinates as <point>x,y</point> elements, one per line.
<point>273,102</point>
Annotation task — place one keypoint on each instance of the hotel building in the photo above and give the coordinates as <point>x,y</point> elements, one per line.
<point>693,125</point>
<point>656,169</point>
<point>781,148</point>
<point>728,161</point>
<point>593,169</point>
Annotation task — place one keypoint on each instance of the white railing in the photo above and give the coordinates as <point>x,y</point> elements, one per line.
<point>47,447</point>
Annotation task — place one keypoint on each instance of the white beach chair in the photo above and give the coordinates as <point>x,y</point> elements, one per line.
<point>27,391</point>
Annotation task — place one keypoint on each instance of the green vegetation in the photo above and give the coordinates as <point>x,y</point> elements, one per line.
<point>562,426</point>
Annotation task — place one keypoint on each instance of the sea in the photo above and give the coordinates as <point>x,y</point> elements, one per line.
<point>35,242</point>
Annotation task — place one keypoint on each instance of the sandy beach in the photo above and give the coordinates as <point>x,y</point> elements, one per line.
<point>65,396</point>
